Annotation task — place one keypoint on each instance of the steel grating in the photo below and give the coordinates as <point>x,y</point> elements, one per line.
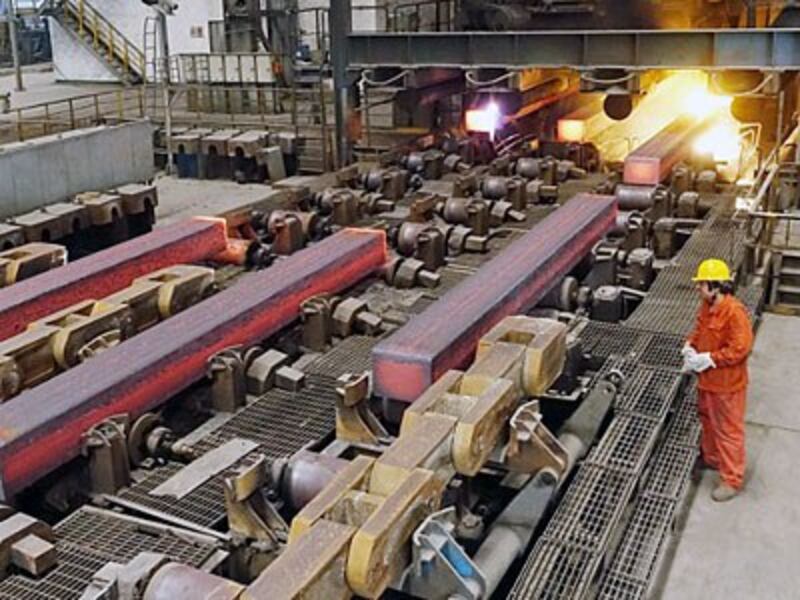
<point>445,336</point>
<point>752,296</point>
<point>604,340</point>
<point>352,355</point>
<point>684,426</point>
<point>559,571</point>
<point>617,587</point>
<point>670,470</point>
<point>204,506</point>
<point>626,445</point>
<point>124,538</point>
<point>663,350</point>
<point>591,508</point>
<point>281,422</point>
<point>644,538</point>
<point>91,537</point>
<point>67,581</point>
<point>649,392</point>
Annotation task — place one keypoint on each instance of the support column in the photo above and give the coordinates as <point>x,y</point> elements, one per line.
<point>340,21</point>
<point>12,34</point>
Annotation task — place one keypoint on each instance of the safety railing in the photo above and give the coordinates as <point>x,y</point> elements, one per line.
<point>106,39</point>
<point>227,68</point>
<point>305,111</point>
<point>414,16</point>
<point>772,207</point>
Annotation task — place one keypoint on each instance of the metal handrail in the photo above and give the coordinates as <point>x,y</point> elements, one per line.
<point>274,108</point>
<point>105,34</point>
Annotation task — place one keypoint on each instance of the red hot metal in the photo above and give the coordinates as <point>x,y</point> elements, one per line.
<point>108,271</point>
<point>652,162</point>
<point>41,428</point>
<point>445,336</point>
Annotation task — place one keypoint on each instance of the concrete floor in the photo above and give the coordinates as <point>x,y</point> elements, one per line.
<point>41,86</point>
<point>750,547</point>
<point>183,198</point>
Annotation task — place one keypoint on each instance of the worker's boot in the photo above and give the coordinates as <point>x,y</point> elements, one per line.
<point>723,493</point>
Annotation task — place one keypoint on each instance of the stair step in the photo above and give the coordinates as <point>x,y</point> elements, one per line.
<point>792,271</point>
<point>789,289</point>
<point>790,254</point>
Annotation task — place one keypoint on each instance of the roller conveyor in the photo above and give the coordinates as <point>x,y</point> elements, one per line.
<point>444,336</point>
<point>152,367</point>
<point>108,271</point>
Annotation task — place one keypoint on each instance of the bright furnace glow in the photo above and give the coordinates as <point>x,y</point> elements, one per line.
<point>484,120</point>
<point>701,103</point>
<point>722,141</point>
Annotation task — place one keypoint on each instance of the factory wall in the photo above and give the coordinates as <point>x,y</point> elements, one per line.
<point>188,32</point>
<point>73,60</point>
<point>188,27</point>
<point>54,168</point>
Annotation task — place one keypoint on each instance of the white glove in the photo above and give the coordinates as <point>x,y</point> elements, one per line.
<point>702,362</point>
<point>689,355</point>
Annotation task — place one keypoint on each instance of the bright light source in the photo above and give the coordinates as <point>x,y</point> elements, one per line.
<point>484,120</point>
<point>701,103</point>
<point>722,141</point>
<point>571,130</point>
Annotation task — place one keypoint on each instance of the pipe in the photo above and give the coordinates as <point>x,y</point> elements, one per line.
<point>513,529</point>
<point>12,34</point>
<point>305,475</point>
<point>635,197</point>
<point>176,581</point>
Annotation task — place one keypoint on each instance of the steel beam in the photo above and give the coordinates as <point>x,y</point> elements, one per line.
<point>108,271</point>
<point>653,161</point>
<point>41,429</point>
<point>765,49</point>
<point>445,336</point>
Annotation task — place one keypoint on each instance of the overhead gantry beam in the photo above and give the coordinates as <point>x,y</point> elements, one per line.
<point>762,49</point>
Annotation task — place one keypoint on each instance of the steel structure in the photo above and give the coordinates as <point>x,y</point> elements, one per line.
<point>152,367</point>
<point>109,271</point>
<point>763,49</point>
<point>444,336</point>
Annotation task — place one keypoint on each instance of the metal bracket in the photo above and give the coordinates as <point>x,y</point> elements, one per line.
<point>440,568</point>
<point>355,422</point>
<point>250,514</point>
<point>106,446</point>
<point>532,447</point>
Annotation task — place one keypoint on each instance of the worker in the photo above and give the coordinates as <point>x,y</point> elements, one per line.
<point>717,351</point>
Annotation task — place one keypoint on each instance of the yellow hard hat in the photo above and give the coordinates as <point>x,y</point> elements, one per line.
<point>713,269</point>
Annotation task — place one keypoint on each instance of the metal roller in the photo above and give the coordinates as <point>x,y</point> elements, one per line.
<point>636,197</point>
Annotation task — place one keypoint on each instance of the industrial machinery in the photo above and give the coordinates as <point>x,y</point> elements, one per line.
<point>450,369</point>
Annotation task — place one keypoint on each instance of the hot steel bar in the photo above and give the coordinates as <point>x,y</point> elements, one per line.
<point>445,335</point>
<point>41,428</point>
<point>108,271</point>
<point>652,162</point>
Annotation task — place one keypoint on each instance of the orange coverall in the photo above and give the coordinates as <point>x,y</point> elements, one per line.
<point>725,331</point>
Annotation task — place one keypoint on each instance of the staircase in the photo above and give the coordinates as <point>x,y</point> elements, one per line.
<point>786,283</point>
<point>106,41</point>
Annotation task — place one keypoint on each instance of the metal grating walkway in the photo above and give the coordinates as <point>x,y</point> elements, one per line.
<point>568,560</point>
<point>280,422</point>
<point>90,538</point>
